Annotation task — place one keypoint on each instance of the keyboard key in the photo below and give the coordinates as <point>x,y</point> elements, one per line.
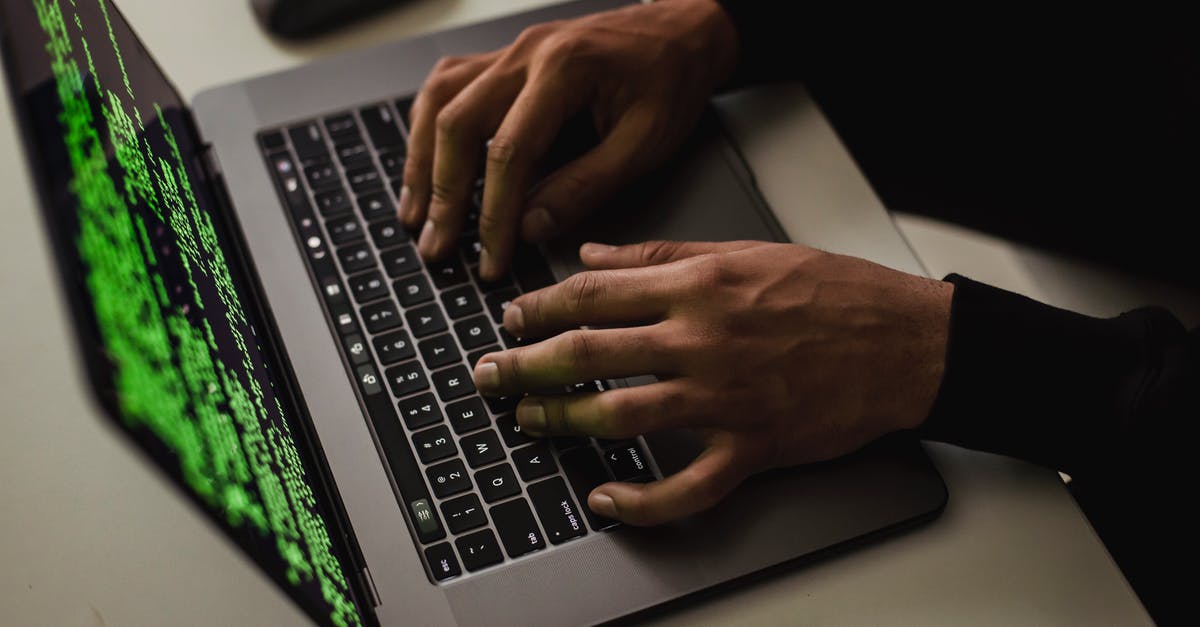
<point>363,179</point>
<point>356,349</point>
<point>284,170</point>
<point>428,527</point>
<point>393,347</point>
<point>369,380</point>
<point>488,287</point>
<point>393,163</point>
<point>502,404</point>
<point>470,247</point>
<point>400,261</point>
<point>341,127</point>
<point>510,341</point>
<point>534,461</point>
<point>420,411</point>
<point>463,513</point>
<point>332,201</point>
<point>344,230</point>
<point>567,442</point>
<point>381,316</point>
<point>381,126</point>
<point>481,449</point>
<point>425,320</point>
<point>448,478</point>
<point>413,290</point>
<point>585,473</point>
<point>473,357</point>
<point>628,462</point>
<point>407,378</point>
<point>404,106</point>
<point>367,286</point>
<point>439,351</point>
<point>442,563</point>
<point>447,273</point>
<point>479,550</point>
<point>343,320</point>
<point>498,301</point>
<point>453,383</point>
<point>475,332</point>
<point>467,415</point>
<point>434,444</point>
<point>387,234</point>
<point>355,258</point>
<point>322,176</point>
<point>353,153</point>
<point>376,205</point>
<point>497,482</point>
<point>559,515</point>
<point>461,301</point>
<point>517,528</point>
<point>307,140</point>
<point>530,269</point>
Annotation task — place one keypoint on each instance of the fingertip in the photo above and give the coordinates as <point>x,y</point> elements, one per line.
<point>514,320</point>
<point>404,203</point>
<point>593,249</point>
<point>602,503</point>
<point>486,376</point>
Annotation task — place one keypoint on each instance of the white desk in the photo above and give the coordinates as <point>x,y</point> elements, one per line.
<point>91,535</point>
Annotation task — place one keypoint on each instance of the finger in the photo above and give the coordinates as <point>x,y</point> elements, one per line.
<point>631,296</point>
<point>654,253</point>
<point>613,414</point>
<point>574,356</point>
<point>579,187</point>
<point>447,79</point>
<point>699,486</point>
<point>462,127</point>
<point>514,152</point>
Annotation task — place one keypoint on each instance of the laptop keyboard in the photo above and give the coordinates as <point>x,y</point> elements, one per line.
<point>476,491</point>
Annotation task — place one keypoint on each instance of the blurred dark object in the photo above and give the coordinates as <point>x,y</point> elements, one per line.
<point>297,19</point>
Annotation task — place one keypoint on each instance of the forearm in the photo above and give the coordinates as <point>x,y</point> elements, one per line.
<point>1068,391</point>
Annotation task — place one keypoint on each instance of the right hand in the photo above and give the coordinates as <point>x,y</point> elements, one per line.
<point>643,72</point>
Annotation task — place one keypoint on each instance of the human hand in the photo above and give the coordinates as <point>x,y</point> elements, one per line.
<point>778,354</point>
<point>643,72</point>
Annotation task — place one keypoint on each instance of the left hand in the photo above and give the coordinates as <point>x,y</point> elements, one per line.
<point>779,354</point>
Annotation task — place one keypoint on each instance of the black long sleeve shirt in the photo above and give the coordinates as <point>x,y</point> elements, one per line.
<point>1079,133</point>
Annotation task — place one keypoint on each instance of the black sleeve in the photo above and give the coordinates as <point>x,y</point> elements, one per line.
<point>1079,394</point>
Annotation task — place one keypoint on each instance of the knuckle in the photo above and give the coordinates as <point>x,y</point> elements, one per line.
<point>658,251</point>
<point>557,415</point>
<point>450,120</point>
<point>582,291</point>
<point>580,347</point>
<point>491,222</point>
<point>443,194</point>
<point>446,63</point>
<point>501,153</point>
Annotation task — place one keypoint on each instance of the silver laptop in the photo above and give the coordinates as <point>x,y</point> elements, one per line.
<point>250,312</point>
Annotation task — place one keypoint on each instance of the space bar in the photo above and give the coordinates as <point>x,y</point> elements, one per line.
<point>414,496</point>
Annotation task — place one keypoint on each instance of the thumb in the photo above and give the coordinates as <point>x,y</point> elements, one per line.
<point>653,253</point>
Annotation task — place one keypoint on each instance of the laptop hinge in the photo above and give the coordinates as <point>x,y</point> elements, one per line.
<point>368,584</point>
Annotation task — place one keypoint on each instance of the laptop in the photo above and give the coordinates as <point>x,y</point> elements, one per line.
<point>249,312</point>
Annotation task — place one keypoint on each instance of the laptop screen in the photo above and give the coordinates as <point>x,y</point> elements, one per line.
<point>171,336</point>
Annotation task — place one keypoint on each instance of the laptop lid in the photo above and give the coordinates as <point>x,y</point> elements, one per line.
<point>167,316</point>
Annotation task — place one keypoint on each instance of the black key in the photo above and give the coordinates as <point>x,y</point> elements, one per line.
<point>355,258</point>
<point>460,301</point>
<point>344,230</point>
<point>353,154</point>
<point>582,387</point>
<point>442,562</point>
<point>332,201</point>
<point>479,550</point>
<point>487,287</point>
<point>534,462</point>
<point>400,261</point>
<point>404,106</point>
<point>530,269</point>
<point>368,286</point>
<point>393,347</point>
<point>470,246</point>
<point>356,349</point>
<point>307,140</point>
<point>413,290</point>
<point>407,378</point>
<point>284,170</point>
<point>434,444</point>
<point>563,443</point>
<point>510,341</point>
<point>363,179</point>
<point>343,320</point>
<point>560,518</point>
<point>447,273</point>
<point>425,320</point>
<point>502,404</point>
<point>439,351</point>
<point>376,205</point>
<point>393,163</point>
<point>341,127</point>
<point>322,176</point>
<point>628,462</point>
<point>497,482</point>
<point>517,528</point>
<point>481,449</point>
<point>272,140</point>
<point>331,289</point>
<point>473,357</point>
<point>453,383</point>
<point>381,316</point>
<point>448,478</point>
<point>420,411</point>
<point>381,126</point>
<point>585,472</point>
<point>498,301</point>
<point>396,184</point>
<point>387,234</point>
<point>467,415</point>
<point>463,513</point>
<point>368,379</point>
<point>475,332</point>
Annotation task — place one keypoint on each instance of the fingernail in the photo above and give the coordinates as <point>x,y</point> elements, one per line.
<point>428,235</point>
<point>487,376</point>
<point>532,417</point>
<point>539,224</point>
<point>485,263</point>
<point>602,504</point>
<point>403,211</point>
<point>592,248</point>
<point>514,320</point>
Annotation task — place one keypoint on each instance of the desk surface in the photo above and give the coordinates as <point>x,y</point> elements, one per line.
<point>86,521</point>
